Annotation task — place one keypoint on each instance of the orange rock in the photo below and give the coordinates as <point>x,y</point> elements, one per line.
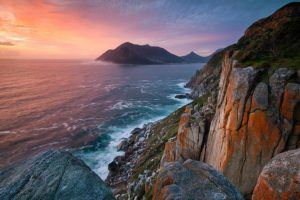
<point>247,131</point>
<point>279,179</point>
<point>169,152</point>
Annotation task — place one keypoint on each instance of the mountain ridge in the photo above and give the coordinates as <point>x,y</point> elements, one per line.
<point>129,53</point>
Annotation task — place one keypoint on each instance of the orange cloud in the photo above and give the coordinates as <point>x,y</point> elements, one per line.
<point>38,30</point>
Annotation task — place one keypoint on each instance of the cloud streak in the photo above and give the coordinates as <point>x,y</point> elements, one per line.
<point>6,43</point>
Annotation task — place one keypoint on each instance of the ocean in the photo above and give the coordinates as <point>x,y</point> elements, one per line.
<point>83,106</point>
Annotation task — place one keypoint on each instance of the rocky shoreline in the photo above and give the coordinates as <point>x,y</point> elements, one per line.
<point>238,139</point>
<point>243,123</point>
<point>121,168</point>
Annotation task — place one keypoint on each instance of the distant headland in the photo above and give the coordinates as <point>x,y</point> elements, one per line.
<point>128,53</point>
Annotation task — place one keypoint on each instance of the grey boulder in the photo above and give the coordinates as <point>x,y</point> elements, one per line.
<point>52,175</point>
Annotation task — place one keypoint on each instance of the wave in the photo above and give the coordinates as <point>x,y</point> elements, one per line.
<point>121,105</point>
<point>98,160</point>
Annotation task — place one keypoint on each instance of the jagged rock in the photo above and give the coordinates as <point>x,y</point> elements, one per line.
<point>290,110</point>
<point>189,139</point>
<point>260,97</point>
<point>113,167</point>
<point>280,178</point>
<point>52,175</point>
<point>169,154</point>
<point>277,82</point>
<point>193,180</point>
<point>246,131</point>
<point>123,146</point>
<point>183,96</point>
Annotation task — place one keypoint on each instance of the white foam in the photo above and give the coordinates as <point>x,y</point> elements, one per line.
<point>99,160</point>
<point>110,87</point>
<point>121,105</point>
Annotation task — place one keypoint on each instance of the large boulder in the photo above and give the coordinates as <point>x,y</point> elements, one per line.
<point>52,175</point>
<point>280,178</point>
<point>193,180</point>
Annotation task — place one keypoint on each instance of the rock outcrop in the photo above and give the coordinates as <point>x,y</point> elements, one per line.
<point>250,125</point>
<point>257,110</point>
<point>193,180</point>
<point>189,140</point>
<point>52,175</point>
<point>255,119</point>
<point>280,178</point>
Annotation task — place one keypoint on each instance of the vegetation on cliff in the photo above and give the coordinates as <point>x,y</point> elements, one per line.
<point>273,41</point>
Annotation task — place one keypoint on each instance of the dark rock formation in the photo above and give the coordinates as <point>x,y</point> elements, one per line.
<point>52,175</point>
<point>195,58</point>
<point>193,180</point>
<point>128,53</point>
<point>183,96</point>
<point>280,178</point>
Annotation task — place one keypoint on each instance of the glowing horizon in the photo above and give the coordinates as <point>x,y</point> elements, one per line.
<point>86,29</point>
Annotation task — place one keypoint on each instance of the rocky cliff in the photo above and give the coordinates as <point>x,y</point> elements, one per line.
<point>246,111</point>
<point>255,120</point>
<point>256,109</point>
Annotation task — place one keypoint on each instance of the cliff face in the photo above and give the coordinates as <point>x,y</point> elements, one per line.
<point>254,121</point>
<point>256,111</point>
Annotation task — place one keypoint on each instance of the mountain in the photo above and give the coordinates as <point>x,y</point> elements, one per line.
<point>195,58</point>
<point>128,53</point>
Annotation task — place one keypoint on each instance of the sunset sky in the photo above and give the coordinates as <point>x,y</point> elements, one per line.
<point>65,29</point>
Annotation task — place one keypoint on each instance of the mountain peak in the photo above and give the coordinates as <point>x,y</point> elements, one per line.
<point>192,53</point>
<point>126,44</point>
<point>192,57</point>
<point>129,53</point>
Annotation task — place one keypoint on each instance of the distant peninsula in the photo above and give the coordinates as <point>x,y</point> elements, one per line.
<point>128,53</point>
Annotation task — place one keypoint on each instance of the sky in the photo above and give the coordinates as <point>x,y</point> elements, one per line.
<point>84,29</point>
